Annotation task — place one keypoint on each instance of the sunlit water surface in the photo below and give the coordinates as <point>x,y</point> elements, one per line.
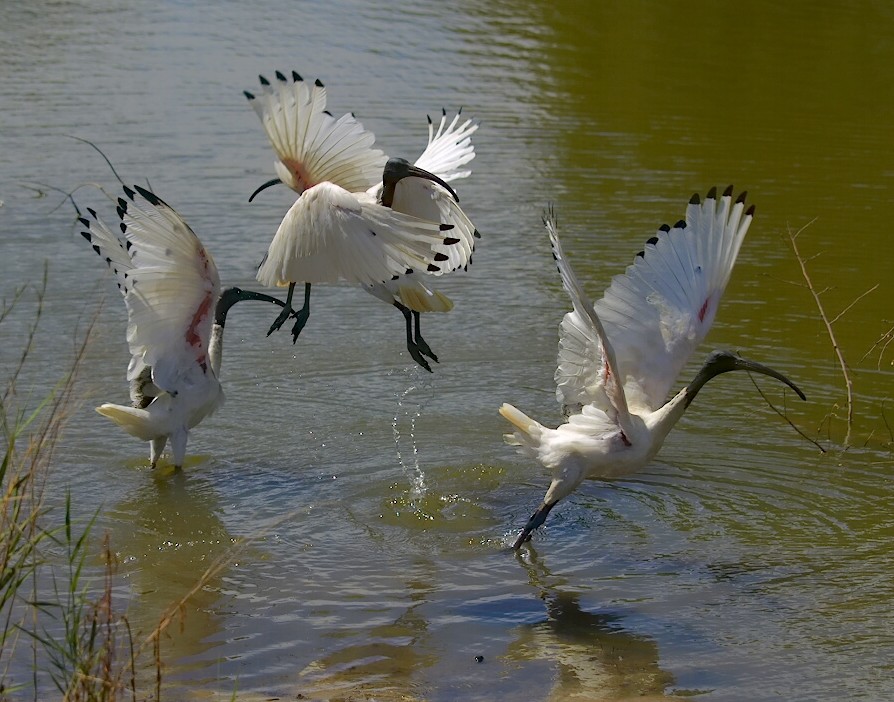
<point>380,500</point>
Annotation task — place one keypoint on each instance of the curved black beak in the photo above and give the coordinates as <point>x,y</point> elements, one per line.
<point>269,183</point>
<point>396,169</point>
<point>231,296</point>
<point>725,361</point>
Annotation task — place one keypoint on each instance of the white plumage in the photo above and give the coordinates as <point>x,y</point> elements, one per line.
<point>619,358</point>
<point>176,316</point>
<point>352,220</point>
<point>170,286</point>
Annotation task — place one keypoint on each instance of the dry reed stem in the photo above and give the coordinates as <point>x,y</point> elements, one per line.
<point>782,413</point>
<point>839,354</point>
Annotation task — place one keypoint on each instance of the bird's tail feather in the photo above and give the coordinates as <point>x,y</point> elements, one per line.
<point>529,431</point>
<point>136,422</point>
<point>421,299</point>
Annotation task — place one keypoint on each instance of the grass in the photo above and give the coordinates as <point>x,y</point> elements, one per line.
<point>60,629</point>
<point>67,629</point>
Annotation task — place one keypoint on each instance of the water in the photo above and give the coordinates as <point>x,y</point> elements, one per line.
<point>380,501</point>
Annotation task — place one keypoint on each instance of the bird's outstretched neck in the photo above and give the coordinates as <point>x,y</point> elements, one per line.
<point>724,362</point>
<point>227,299</point>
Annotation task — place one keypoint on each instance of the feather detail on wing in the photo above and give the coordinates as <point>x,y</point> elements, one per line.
<point>311,145</point>
<point>419,197</point>
<point>608,392</point>
<point>659,310</point>
<point>175,285</point>
<point>330,234</point>
<point>449,148</point>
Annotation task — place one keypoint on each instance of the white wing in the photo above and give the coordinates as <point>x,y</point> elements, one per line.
<point>659,311</point>
<point>111,248</point>
<point>609,394</point>
<point>311,145</point>
<point>449,148</point>
<point>172,289</point>
<point>419,197</point>
<point>330,234</point>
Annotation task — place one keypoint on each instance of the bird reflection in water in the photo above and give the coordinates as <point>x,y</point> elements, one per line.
<point>594,656</point>
<point>166,536</point>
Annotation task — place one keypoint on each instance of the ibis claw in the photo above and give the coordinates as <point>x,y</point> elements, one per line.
<point>417,356</point>
<point>425,350</point>
<point>280,320</point>
<point>301,317</point>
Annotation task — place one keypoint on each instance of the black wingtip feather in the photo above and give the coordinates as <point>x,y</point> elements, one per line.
<point>249,95</point>
<point>129,192</point>
<point>446,227</point>
<point>729,191</point>
<point>263,80</point>
<point>319,83</point>
<point>296,77</point>
<point>712,193</point>
<point>750,211</point>
<point>681,224</point>
<point>432,268</point>
<point>741,198</point>
<point>695,200</point>
<point>152,198</point>
<point>280,77</point>
<point>664,228</point>
<point>441,256</point>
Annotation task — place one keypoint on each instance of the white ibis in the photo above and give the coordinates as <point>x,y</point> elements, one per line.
<point>619,358</point>
<point>360,217</point>
<point>176,317</point>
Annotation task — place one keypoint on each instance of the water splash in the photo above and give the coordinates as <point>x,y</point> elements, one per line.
<point>410,403</point>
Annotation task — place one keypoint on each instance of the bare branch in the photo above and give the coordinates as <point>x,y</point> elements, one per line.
<point>887,337</point>
<point>858,298</point>
<point>783,414</point>
<point>99,151</point>
<point>848,382</point>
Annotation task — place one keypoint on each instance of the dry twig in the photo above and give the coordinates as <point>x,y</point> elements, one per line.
<point>839,354</point>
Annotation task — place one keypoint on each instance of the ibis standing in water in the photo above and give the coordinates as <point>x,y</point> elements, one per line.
<point>360,217</point>
<point>176,317</point>
<point>619,358</point>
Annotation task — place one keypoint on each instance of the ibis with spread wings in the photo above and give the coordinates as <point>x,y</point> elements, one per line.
<point>619,358</point>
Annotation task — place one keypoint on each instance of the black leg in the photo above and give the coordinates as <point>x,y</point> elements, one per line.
<point>284,315</point>
<point>302,315</point>
<point>412,347</point>
<point>424,348</point>
<point>535,521</point>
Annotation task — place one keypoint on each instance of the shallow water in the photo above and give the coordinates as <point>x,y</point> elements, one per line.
<point>379,499</point>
